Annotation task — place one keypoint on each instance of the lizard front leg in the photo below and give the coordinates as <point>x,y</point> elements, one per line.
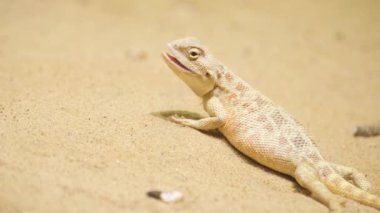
<point>201,124</point>
<point>214,108</point>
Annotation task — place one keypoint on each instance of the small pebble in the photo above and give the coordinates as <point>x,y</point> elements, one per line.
<point>366,131</point>
<point>167,197</point>
<point>136,55</point>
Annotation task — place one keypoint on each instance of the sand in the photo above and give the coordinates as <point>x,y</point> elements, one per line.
<point>79,81</point>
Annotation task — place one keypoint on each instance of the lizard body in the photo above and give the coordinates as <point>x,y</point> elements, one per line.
<point>259,128</point>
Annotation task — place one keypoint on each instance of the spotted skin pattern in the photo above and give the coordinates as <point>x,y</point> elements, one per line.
<point>260,129</point>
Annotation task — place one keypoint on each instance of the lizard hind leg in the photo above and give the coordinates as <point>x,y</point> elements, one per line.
<point>340,186</point>
<point>352,174</point>
<point>307,177</point>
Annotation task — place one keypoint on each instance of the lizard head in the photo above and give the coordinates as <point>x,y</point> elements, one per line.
<point>193,63</point>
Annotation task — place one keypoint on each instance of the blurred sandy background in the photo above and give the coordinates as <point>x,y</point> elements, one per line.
<point>80,79</point>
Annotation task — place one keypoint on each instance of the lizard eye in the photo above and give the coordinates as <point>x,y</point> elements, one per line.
<point>194,53</point>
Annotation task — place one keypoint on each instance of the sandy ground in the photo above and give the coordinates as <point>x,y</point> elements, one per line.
<point>80,79</point>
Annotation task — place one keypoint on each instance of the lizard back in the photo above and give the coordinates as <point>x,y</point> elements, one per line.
<point>261,129</point>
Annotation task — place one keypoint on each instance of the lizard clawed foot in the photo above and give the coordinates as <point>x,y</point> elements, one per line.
<point>181,120</point>
<point>353,175</point>
<point>204,124</point>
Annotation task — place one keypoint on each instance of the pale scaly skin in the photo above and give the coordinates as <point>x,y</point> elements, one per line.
<point>259,128</point>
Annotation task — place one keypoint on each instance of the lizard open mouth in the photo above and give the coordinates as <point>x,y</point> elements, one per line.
<point>177,62</point>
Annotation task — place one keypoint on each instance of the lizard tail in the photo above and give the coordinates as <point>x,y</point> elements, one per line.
<point>340,186</point>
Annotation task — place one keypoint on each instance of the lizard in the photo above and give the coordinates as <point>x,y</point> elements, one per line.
<point>259,128</point>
